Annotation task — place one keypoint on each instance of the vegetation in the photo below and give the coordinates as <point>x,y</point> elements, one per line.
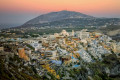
<point>11,71</point>
<point>29,46</point>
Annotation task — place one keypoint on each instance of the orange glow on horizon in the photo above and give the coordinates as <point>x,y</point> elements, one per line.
<point>85,6</point>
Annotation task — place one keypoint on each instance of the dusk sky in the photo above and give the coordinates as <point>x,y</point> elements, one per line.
<point>20,11</point>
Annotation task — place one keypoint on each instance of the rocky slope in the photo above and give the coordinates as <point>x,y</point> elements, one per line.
<point>12,68</point>
<point>112,31</point>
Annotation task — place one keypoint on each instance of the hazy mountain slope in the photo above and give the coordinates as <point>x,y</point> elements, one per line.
<point>69,18</point>
<point>76,22</point>
<point>55,16</point>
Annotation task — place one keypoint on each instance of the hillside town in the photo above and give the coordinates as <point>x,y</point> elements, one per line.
<point>56,55</point>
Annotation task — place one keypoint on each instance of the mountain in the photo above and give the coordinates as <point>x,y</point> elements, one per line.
<point>56,16</point>
<point>69,18</point>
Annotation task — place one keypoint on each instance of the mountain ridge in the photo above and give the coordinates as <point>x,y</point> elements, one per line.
<point>56,16</point>
<point>68,18</point>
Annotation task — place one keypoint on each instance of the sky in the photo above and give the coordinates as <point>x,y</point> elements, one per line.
<point>20,11</point>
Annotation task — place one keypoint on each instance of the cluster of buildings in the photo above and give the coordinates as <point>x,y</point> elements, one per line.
<point>65,48</point>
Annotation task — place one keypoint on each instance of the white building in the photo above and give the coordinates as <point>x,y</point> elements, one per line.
<point>84,55</point>
<point>56,34</point>
<point>35,44</point>
<point>83,34</point>
<point>73,33</point>
<point>64,33</point>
